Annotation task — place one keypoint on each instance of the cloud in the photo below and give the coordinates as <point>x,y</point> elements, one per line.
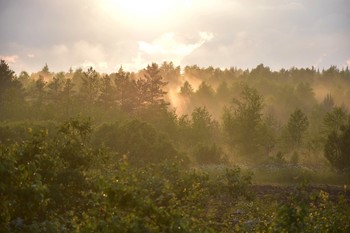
<point>348,62</point>
<point>30,55</point>
<point>11,59</point>
<point>60,49</point>
<point>170,46</point>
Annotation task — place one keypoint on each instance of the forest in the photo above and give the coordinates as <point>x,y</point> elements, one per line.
<point>175,149</point>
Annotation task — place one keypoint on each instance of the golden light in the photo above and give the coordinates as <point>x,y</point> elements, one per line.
<point>143,8</point>
<point>140,10</point>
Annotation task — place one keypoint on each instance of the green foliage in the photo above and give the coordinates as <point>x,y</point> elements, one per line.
<point>107,98</point>
<point>204,96</point>
<point>268,134</point>
<point>163,198</point>
<point>55,184</point>
<point>20,131</point>
<point>7,77</point>
<point>140,141</point>
<point>153,92</point>
<point>312,212</point>
<point>42,179</point>
<point>242,119</point>
<point>132,177</point>
<point>90,88</point>
<point>337,148</point>
<point>186,89</point>
<point>11,93</point>
<point>58,182</point>
<point>126,91</point>
<point>203,126</point>
<point>297,126</point>
<point>335,119</point>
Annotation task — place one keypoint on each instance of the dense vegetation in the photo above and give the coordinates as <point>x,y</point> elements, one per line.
<point>170,150</point>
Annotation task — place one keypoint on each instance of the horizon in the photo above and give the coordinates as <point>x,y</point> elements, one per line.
<point>249,69</point>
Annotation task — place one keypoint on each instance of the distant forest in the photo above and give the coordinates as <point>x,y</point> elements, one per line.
<point>257,112</point>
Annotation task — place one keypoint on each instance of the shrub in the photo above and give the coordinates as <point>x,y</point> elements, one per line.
<point>140,141</point>
<point>312,212</point>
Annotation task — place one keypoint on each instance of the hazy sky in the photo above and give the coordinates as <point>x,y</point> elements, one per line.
<point>222,33</point>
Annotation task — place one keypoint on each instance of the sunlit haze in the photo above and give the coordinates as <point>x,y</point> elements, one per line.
<point>174,116</point>
<point>106,34</point>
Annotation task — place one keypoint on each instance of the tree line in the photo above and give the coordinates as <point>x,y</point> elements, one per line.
<point>208,111</point>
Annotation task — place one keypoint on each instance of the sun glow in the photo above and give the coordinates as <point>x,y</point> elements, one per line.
<point>146,9</point>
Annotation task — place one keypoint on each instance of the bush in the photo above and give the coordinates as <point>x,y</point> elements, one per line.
<point>312,212</point>
<point>22,130</point>
<point>162,197</point>
<point>140,141</point>
<point>44,177</point>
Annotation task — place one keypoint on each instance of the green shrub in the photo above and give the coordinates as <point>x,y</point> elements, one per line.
<point>312,212</point>
<point>140,141</point>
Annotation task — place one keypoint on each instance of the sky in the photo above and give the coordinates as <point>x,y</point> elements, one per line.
<point>107,34</point>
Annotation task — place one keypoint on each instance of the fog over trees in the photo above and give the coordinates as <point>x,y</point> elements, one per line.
<point>257,112</point>
<point>143,146</point>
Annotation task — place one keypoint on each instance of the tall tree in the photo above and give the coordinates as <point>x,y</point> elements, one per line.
<point>297,126</point>
<point>154,84</point>
<point>11,94</point>
<point>90,88</point>
<point>45,69</point>
<point>107,97</point>
<point>37,94</point>
<point>126,91</point>
<point>337,148</point>
<point>186,89</point>
<point>170,73</point>
<point>67,96</point>
<point>7,80</point>
<point>242,120</point>
<point>336,119</point>
<point>55,88</point>
<point>205,92</point>
<point>268,132</point>
<point>203,126</point>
